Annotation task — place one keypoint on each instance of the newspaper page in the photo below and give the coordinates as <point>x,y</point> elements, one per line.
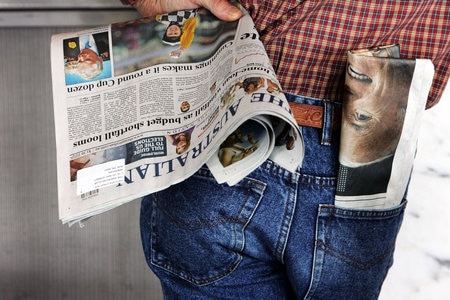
<point>143,104</point>
<point>382,112</point>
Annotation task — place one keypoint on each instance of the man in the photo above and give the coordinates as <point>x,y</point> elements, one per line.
<point>276,234</point>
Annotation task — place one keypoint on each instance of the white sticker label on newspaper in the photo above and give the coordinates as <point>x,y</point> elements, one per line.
<point>100,176</point>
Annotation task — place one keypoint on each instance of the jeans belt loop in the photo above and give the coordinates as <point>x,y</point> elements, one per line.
<point>307,114</point>
<point>315,116</point>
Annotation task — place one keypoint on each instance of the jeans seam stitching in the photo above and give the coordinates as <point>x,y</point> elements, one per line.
<point>358,264</point>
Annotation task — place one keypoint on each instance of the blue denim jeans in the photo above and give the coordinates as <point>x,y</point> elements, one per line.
<point>275,235</point>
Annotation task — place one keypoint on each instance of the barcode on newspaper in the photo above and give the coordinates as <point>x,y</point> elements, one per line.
<point>89,194</point>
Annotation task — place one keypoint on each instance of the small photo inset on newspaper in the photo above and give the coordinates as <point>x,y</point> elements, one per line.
<point>181,141</point>
<point>87,58</point>
<point>96,158</point>
<point>241,152</point>
<point>255,84</point>
<point>186,36</point>
<point>240,144</point>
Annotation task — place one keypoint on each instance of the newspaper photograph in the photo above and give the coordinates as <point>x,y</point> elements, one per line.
<point>143,104</point>
<point>381,116</point>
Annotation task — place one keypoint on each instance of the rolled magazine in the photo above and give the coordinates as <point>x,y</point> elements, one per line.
<point>385,97</point>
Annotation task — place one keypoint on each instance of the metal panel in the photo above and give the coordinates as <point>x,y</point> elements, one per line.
<point>39,257</point>
<point>53,13</point>
<point>54,4</point>
<point>62,18</point>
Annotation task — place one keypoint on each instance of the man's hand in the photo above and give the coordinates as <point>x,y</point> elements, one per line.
<point>220,8</point>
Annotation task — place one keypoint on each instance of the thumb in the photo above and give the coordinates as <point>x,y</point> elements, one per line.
<point>223,9</point>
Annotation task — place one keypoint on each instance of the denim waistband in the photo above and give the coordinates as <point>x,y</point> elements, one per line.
<point>331,114</point>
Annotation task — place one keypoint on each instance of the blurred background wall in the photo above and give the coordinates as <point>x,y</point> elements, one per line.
<point>39,257</point>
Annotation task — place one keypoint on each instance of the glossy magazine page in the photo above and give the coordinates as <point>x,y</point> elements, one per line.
<point>381,116</point>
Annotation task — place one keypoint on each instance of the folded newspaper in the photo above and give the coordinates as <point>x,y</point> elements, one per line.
<point>142,105</point>
<point>381,117</point>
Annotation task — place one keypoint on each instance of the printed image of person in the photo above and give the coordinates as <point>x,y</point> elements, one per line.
<point>284,135</point>
<point>253,84</point>
<point>78,164</point>
<point>181,140</point>
<point>392,51</point>
<point>96,158</point>
<point>236,147</point>
<point>213,87</point>
<point>185,106</point>
<point>374,109</point>
<point>228,97</point>
<point>151,41</point>
<point>85,56</point>
<point>180,29</point>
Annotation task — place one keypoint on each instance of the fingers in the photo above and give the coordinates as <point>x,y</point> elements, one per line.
<point>220,8</point>
<point>149,8</point>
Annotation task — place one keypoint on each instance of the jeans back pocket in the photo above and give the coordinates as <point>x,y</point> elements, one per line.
<point>353,251</point>
<point>198,228</point>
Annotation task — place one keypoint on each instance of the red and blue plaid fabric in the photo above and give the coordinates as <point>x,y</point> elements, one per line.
<point>307,41</point>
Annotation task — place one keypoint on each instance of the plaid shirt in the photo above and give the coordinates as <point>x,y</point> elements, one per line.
<point>307,41</point>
